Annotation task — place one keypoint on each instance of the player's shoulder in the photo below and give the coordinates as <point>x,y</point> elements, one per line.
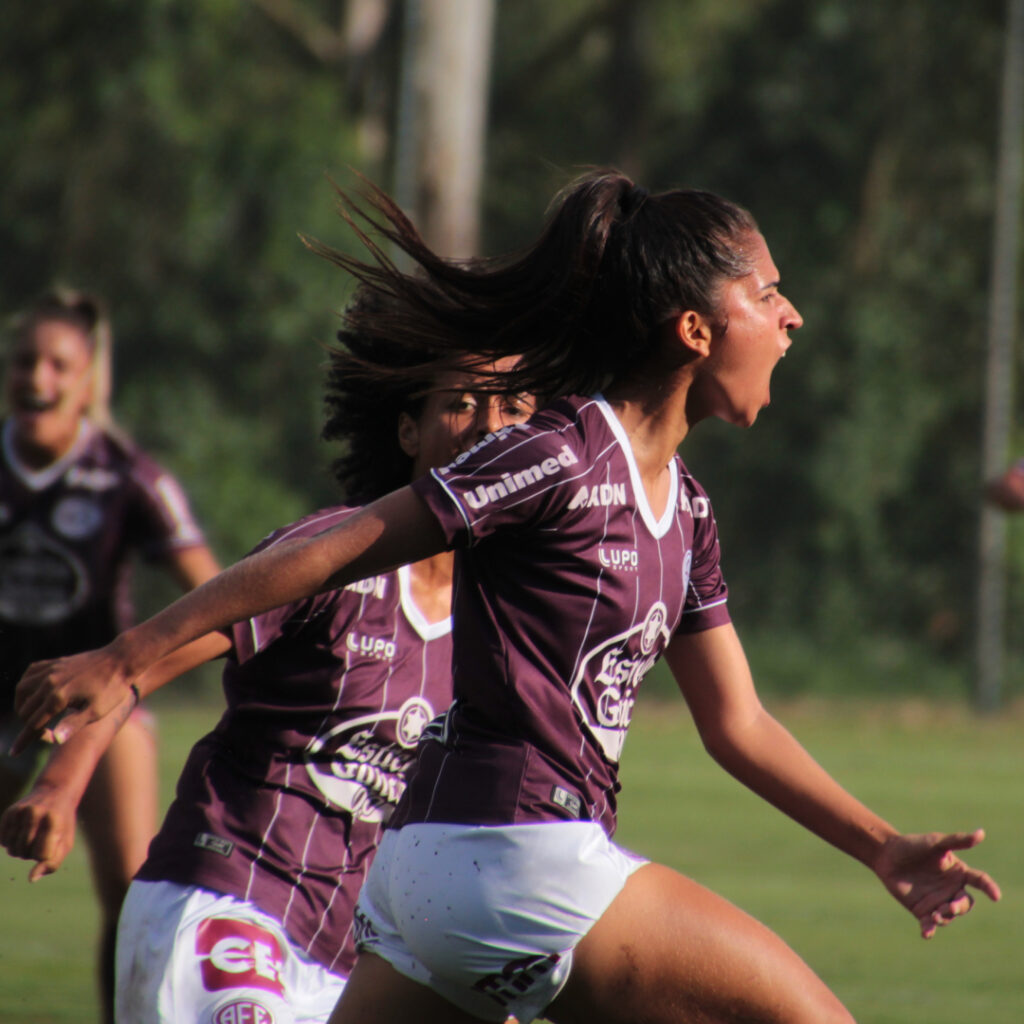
<point>116,452</point>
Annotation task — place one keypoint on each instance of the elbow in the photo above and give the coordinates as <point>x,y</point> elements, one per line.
<point>729,738</point>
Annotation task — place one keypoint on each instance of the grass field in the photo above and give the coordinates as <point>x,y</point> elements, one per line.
<point>920,765</point>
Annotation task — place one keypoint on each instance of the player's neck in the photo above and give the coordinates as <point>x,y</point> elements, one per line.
<point>37,454</point>
<point>431,584</point>
<point>654,417</point>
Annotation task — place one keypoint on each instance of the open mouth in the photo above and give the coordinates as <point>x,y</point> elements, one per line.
<point>34,403</point>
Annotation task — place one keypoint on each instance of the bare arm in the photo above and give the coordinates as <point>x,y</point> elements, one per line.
<point>192,566</point>
<point>92,698</point>
<point>392,531</point>
<point>920,871</point>
<point>41,825</point>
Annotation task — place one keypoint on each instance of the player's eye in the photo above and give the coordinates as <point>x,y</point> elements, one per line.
<point>462,403</point>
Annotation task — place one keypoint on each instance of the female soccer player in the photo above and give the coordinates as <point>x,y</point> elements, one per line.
<point>78,502</point>
<point>243,909</point>
<point>585,550</point>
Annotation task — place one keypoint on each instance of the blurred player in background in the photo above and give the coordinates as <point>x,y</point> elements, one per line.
<point>279,810</point>
<point>78,502</point>
<point>585,550</point>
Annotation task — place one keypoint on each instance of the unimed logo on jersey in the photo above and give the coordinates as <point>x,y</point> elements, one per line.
<point>238,954</point>
<point>511,483</point>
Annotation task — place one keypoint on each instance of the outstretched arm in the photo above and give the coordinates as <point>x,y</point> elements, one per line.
<point>91,698</point>
<point>392,531</point>
<point>921,871</point>
<point>41,825</point>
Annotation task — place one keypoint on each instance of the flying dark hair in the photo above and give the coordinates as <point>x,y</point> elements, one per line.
<point>370,381</point>
<point>579,306</point>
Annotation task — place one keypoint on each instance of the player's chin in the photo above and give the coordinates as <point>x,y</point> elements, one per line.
<point>749,417</point>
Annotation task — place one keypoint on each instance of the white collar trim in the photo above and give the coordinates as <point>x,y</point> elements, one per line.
<point>657,527</point>
<point>426,630</point>
<point>39,479</point>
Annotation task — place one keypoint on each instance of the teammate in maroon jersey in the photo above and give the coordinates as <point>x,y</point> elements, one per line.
<point>240,910</point>
<point>584,551</point>
<point>78,502</point>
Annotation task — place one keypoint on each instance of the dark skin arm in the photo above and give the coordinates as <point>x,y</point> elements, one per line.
<point>41,825</point>
<point>393,531</point>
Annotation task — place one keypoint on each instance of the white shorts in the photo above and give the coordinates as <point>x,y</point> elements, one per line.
<point>489,917</point>
<point>186,954</point>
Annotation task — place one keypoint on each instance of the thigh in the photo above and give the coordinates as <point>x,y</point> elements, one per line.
<point>377,992</point>
<point>118,813</point>
<point>668,950</point>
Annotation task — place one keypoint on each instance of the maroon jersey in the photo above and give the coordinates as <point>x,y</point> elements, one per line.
<point>283,803</point>
<point>67,537</point>
<point>567,591</point>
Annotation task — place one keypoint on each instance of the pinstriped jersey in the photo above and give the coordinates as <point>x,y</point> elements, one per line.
<point>568,588</point>
<point>283,803</point>
<point>68,534</point>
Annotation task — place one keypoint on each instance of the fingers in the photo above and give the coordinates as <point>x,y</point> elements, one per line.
<point>37,696</point>
<point>65,725</point>
<point>23,832</point>
<point>959,840</point>
<point>41,870</point>
<point>983,882</point>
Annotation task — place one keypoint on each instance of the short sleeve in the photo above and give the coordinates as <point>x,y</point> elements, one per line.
<point>164,519</point>
<point>251,636</point>
<point>706,594</point>
<point>518,476</point>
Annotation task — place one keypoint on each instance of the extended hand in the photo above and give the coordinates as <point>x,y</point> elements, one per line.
<point>80,689</point>
<point>39,827</point>
<point>927,877</point>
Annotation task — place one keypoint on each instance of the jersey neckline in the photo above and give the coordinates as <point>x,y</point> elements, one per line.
<point>426,629</point>
<point>40,479</point>
<point>657,527</point>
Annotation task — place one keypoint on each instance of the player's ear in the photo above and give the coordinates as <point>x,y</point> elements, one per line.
<point>408,435</point>
<point>694,331</point>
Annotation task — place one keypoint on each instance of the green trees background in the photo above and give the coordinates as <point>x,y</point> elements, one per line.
<point>168,154</point>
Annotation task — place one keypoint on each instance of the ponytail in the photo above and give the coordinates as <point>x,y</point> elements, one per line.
<point>579,307</point>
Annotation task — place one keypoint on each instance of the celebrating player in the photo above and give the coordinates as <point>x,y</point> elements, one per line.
<point>280,808</point>
<point>77,502</point>
<point>585,551</point>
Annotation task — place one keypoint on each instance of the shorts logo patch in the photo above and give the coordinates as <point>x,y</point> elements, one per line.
<point>243,1011</point>
<point>363,933</point>
<point>239,954</point>
<point>215,844</point>
<point>570,801</point>
<point>516,977</point>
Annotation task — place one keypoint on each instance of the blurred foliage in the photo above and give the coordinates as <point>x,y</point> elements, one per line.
<point>168,154</point>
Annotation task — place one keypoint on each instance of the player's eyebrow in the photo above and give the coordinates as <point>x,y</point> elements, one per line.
<point>770,284</point>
